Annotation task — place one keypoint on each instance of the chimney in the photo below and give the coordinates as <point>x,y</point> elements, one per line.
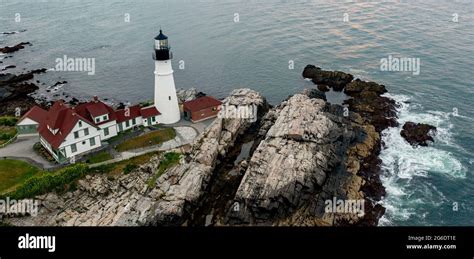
<point>95,99</point>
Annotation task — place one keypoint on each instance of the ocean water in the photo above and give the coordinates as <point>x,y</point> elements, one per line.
<point>228,44</point>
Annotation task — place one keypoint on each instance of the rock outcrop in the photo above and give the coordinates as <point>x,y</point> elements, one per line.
<point>183,187</point>
<point>418,133</point>
<point>99,201</point>
<point>15,90</point>
<point>17,47</point>
<point>368,102</point>
<point>290,164</point>
<point>311,153</point>
<point>335,79</point>
<point>190,94</point>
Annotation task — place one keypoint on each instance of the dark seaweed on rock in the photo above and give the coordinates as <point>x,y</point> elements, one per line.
<point>14,90</point>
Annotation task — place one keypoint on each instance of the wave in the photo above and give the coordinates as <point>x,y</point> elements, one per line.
<point>404,167</point>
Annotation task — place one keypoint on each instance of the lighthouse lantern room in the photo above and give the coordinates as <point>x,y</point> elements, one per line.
<point>166,100</point>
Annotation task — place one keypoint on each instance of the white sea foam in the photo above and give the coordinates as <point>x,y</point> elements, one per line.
<point>403,163</point>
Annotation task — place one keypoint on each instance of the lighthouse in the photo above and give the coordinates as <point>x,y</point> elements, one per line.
<point>166,100</point>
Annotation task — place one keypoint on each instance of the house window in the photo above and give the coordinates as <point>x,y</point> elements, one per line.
<point>80,123</point>
<point>97,120</point>
<point>127,124</point>
<point>106,131</point>
<point>134,121</point>
<point>104,118</point>
<point>73,148</point>
<point>83,143</point>
<point>153,118</point>
<point>214,109</point>
<point>92,141</point>
<point>86,131</point>
<point>76,134</point>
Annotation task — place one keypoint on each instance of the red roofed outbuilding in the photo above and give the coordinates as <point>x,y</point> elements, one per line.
<point>29,122</point>
<point>202,108</point>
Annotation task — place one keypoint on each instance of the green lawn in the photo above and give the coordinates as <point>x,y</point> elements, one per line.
<point>15,172</point>
<point>149,139</point>
<point>99,157</point>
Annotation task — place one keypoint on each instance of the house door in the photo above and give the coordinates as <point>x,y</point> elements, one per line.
<point>187,115</point>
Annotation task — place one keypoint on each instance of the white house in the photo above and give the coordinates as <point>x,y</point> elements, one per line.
<point>69,132</point>
<point>65,133</point>
<point>101,115</point>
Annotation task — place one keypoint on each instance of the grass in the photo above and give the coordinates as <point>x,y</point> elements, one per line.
<point>125,166</point>
<point>120,135</point>
<point>20,180</point>
<point>60,181</point>
<point>99,157</point>
<point>169,159</point>
<point>7,128</point>
<point>14,172</point>
<point>149,139</point>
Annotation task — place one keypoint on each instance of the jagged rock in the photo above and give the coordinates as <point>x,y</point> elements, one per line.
<point>15,90</point>
<point>366,99</point>
<point>323,88</point>
<point>357,86</point>
<point>183,187</point>
<point>418,133</point>
<point>314,93</point>
<point>290,164</point>
<point>17,47</point>
<point>335,79</point>
<point>185,95</point>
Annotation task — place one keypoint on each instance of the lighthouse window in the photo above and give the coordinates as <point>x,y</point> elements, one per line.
<point>169,97</point>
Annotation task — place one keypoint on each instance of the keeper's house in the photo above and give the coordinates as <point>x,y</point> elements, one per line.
<point>69,132</point>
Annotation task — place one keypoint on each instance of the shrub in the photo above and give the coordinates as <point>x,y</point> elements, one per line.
<point>8,121</point>
<point>48,182</point>
<point>169,159</point>
<point>129,167</point>
<point>40,150</point>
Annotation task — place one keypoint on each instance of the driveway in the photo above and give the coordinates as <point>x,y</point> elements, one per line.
<point>22,149</point>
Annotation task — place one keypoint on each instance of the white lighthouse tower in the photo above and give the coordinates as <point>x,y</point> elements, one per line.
<point>166,101</point>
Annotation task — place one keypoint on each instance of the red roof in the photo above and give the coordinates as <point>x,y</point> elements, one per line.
<point>95,108</point>
<point>35,113</point>
<point>149,111</point>
<point>201,103</point>
<point>134,112</point>
<point>61,118</point>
